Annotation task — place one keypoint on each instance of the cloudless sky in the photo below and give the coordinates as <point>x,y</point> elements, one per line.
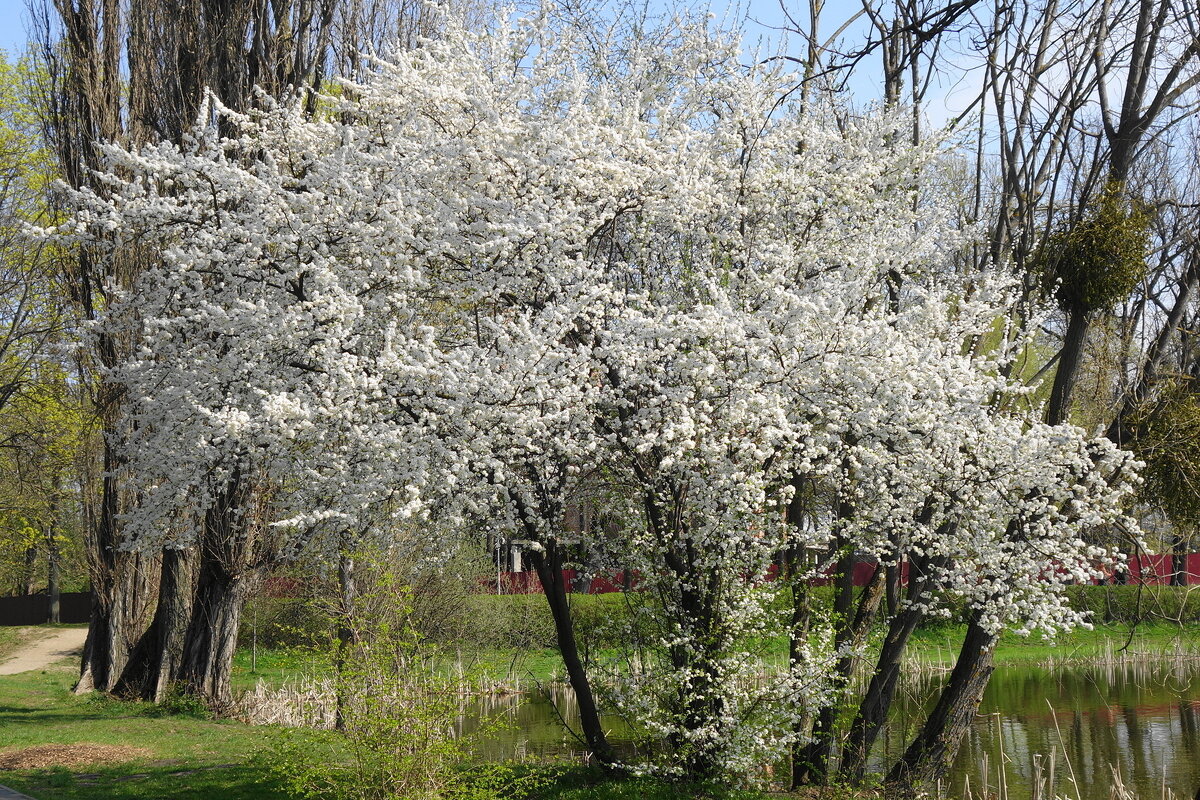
<point>763,18</point>
<point>14,18</point>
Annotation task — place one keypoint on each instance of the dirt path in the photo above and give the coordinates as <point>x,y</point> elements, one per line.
<point>44,649</point>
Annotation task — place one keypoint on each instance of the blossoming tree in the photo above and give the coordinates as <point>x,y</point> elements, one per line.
<point>510,271</point>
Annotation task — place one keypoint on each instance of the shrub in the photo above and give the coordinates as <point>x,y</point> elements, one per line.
<point>181,703</point>
<point>1130,604</point>
<point>285,623</point>
<point>395,738</point>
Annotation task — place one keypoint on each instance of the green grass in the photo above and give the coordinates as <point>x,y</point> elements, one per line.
<point>10,637</point>
<point>937,643</point>
<point>134,782</point>
<point>275,666</point>
<point>480,666</point>
<point>190,757</point>
<point>941,643</point>
<point>194,757</point>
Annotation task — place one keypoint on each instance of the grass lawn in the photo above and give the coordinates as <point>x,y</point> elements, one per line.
<point>515,669</point>
<point>179,756</point>
<point>184,755</point>
<point>933,644</point>
<point>276,666</point>
<point>1152,639</point>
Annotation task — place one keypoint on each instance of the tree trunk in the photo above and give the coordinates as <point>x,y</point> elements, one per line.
<point>31,558</point>
<point>212,632</point>
<point>699,707</point>
<point>1179,554</point>
<point>345,632</point>
<point>813,765</point>
<point>548,565</point>
<point>1059,407</point>
<point>53,588</point>
<point>229,568</point>
<point>123,582</point>
<point>892,591</point>
<point>801,620</point>
<point>932,752</point>
<point>154,663</point>
<point>873,709</point>
<point>793,566</point>
<point>120,602</point>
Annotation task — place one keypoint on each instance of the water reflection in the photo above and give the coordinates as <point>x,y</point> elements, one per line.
<point>536,726</point>
<point>1081,724</point>
<point>1141,722</point>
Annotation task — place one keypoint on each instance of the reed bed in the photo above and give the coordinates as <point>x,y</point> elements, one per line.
<point>1047,783</point>
<point>1182,654</point>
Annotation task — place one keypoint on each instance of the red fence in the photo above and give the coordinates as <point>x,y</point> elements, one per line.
<point>1157,570</point>
<point>1150,570</point>
<point>528,583</point>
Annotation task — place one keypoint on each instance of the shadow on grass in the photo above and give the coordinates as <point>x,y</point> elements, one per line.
<point>33,716</point>
<point>140,782</point>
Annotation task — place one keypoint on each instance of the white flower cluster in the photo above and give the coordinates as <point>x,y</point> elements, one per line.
<point>498,277</point>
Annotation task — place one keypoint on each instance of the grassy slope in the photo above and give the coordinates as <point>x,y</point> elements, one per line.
<point>12,637</point>
<point>9,639</point>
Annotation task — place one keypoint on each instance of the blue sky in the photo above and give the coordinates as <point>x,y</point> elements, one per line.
<point>14,18</point>
<point>762,15</point>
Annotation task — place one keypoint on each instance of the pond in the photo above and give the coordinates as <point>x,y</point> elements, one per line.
<point>1141,721</point>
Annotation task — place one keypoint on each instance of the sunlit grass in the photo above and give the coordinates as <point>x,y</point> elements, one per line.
<point>191,757</point>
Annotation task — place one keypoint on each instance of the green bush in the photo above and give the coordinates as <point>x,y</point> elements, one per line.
<point>524,622</point>
<point>505,622</point>
<point>509,621</point>
<point>395,737</point>
<point>180,703</point>
<point>1130,604</point>
<point>285,623</point>
<point>1093,262</point>
<point>604,621</point>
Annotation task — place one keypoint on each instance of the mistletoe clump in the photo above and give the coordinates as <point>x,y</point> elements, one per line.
<point>1168,441</point>
<point>1096,261</point>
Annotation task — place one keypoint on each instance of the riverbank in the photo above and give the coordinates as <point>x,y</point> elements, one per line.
<point>1148,640</point>
<point>56,746</point>
<point>512,669</point>
<point>63,747</point>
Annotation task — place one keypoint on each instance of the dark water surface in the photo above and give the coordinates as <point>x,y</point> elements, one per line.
<point>1143,721</point>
